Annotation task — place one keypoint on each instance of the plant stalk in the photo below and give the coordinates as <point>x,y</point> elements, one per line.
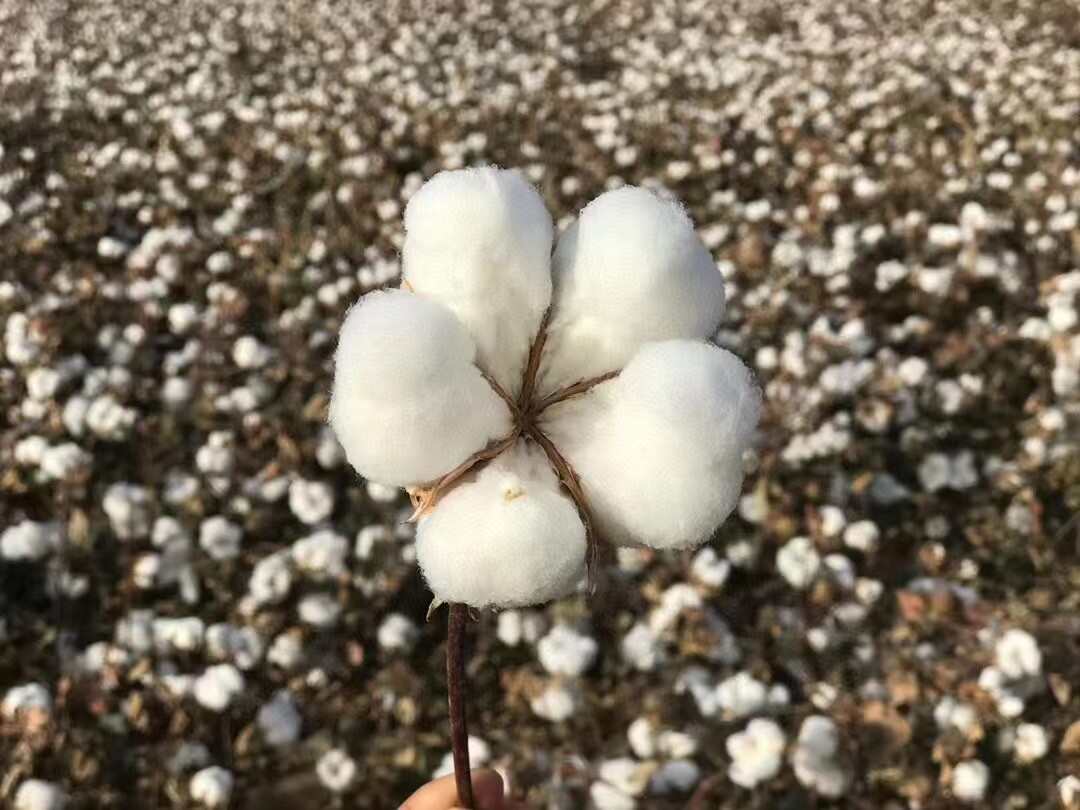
<point>455,691</point>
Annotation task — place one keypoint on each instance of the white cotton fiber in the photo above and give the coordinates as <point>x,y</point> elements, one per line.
<point>408,403</point>
<point>479,241</point>
<point>629,271</point>
<point>510,537</point>
<point>659,448</point>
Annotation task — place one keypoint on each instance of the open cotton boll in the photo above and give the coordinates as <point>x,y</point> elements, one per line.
<point>408,403</point>
<point>659,448</point>
<point>631,270</point>
<point>479,241</point>
<point>510,537</point>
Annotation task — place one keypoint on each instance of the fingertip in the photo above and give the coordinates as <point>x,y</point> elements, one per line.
<point>488,789</point>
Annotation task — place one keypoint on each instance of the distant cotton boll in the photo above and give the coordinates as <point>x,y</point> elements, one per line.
<point>641,648</point>
<point>1031,744</point>
<point>479,241</point>
<point>211,787</point>
<point>742,695</point>
<point>641,734</point>
<point>815,757</point>
<point>408,404</point>
<point>65,462</point>
<point>328,452</point>
<point>628,252</point>
<point>108,419</point>
<point>862,536</point>
<point>128,509</point>
<point>397,632</point>
<point>183,317</point>
<point>242,645</point>
<point>557,702</point>
<point>220,538</point>
<point>627,774</point>
<point>286,651</point>
<point>319,610</point>
<point>564,651</point>
<point>279,720</point>
<point>74,415</point>
<point>798,562</point>
<point>607,797</point>
<point>336,770</point>
<point>26,697</point>
<point>218,686</point>
<point>29,451</point>
<point>710,569</point>
<point>271,579</point>
<point>951,713</point>
<point>970,780</point>
<point>522,536</point>
<point>1069,791</point>
<point>619,435</point>
<point>1017,655</point>
<point>37,794</point>
<point>321,554</point>
<point>367,538</point>
<point>311,501</point>
<point>249,353</point>
<point>756,753</point>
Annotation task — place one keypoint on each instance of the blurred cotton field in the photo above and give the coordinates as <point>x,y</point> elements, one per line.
<point>200,605</point>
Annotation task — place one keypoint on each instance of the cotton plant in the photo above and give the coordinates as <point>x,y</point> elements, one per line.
<point>537,403</point>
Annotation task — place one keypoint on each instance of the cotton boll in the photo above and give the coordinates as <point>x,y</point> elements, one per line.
<point>815,758</point>
<point>30,540</point>
<point>676,776</point>
<point>970,780</point>
<point>397,632</point>
<point>218,686</point>
<point>1017,654</point>
<point>659,448</point>
<point>479,241</point>
<point>607,797</point>
<point>629,271</point>
<point>336,770</point>
<point>311,501</point>
<point>558,702</point>
<point>37,794</point>
<point>510,537</point>
<point>564,651</point>
<point>755,753</point>
<point>408,404</point>
<point>211,787</point>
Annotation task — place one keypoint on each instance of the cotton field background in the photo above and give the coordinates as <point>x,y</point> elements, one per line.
<point>200,603</point>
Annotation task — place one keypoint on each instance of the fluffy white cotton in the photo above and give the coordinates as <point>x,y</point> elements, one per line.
<point>336,770</point>
<point>218,686</point>
<point>1017,654</point>
<point>564,651</point>
<point>557,702</point>
<point>37,794</point>
<point>211,787</point>
<point>479,241</point>
<point>755,753</point>
<point>659,448</point>
<point>509,537</point>
<point>970,780</point>
<point>816,759</point>
<point>408,404</point>
<point>629,271</point>
<point>397,632</point>
<point>30,540</point>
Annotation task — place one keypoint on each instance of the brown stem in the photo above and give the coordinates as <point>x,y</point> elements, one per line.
<point>455,692</point>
